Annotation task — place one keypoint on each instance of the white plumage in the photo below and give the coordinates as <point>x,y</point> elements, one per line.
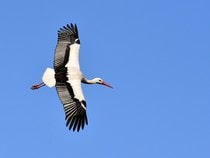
<point>49,77</point>
<point>67,77</point>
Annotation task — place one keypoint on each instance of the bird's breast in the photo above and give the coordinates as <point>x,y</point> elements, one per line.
<point>74,73</point>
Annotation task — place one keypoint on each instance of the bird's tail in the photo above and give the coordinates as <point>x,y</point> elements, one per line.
<point>49,77</point>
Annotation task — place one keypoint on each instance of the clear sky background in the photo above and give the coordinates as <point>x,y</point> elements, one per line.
<point>156,55</point>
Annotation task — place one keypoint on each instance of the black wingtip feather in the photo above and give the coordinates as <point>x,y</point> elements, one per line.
<point>75,123</point>
<point>72,123</point>
<point>68,33</point>
<point>72,25</point>
<point>79,123</point>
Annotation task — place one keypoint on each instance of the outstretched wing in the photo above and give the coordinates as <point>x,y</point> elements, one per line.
<point>67,37</point>
<point>75,110</point>
<point>66,56</point>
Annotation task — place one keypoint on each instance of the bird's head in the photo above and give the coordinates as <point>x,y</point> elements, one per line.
<point>100,81</point>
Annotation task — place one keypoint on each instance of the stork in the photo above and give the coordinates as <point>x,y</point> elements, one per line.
<point>67,77</point>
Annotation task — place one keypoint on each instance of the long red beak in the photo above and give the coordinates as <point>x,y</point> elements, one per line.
<point>106,84</point>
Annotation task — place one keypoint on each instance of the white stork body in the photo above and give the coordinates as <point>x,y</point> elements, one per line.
<point>75,81</point>
<point>67,77</point>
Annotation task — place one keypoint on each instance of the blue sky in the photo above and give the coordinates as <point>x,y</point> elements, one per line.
<point>155,54</point>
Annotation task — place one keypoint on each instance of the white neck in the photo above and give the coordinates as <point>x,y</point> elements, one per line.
<point>93,81</point>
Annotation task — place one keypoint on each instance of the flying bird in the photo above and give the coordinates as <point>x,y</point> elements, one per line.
<point>67,77</point>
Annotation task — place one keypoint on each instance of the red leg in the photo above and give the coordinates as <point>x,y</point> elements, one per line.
<point>37,86</point>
